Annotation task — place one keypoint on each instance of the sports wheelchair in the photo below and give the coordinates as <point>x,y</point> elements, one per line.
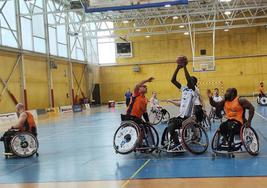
<point>262,101</point>
<point>20,144</point>
<point>213,115</point>
<point>157,115</point>
<point>135,135</point>
<point>192,137</point>
<point>246,141</point>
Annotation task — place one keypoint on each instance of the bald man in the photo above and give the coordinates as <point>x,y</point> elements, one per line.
<point>25,123</point>
<point>26,120</point>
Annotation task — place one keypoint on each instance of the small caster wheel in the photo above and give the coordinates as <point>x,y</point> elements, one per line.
<point>232,156</point>
<point>6,156</point>
<point>37,154</point>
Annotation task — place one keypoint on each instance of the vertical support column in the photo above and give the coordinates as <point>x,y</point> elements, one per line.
<point>213,33</point>
<point>86,58</point>
<point>23,82</point>
<point>22,68</point>
<point>69,61</point>
<point>49,72</point>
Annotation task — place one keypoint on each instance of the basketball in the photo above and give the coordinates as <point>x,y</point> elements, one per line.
<point>182,60</point>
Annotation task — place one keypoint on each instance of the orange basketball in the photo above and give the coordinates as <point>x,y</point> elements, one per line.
<point>182,60</point>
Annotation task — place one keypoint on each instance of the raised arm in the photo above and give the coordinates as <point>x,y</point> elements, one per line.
<point>175,103</point>
<point>219,105</point>
<point>247,105</point>
<point>188,79</point>
<point>174,76</point>
<point>136,88</point>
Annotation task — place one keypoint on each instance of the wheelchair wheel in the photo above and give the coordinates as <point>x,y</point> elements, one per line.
<point>165,116</point>
<point>211,114</point>
<point>24,144</point>
<point>155,117</point>
<point>126,137</point>
<point>165,138</point>
<point>216,141</point>
<point>263,101</point>
<point>206,124</point>
<point>250,140</point>
<point>195,138</point>
<point>151,138</point>
<point>258,100</point>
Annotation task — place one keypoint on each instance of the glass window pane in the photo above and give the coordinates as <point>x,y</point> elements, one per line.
<point>80,55</point>
<point>8,38</point>
<point>3,22</point>
<point>106,53</point>
<point>62,50</point>
<point>26,33</point>
<point>39,45</point>
<point>38,25</point>
<point>51,19</point>
<point>23,7</point>
<point>52,41</point>
<point>9,13</point>
<point>39,3</point>
<point>61,34</point>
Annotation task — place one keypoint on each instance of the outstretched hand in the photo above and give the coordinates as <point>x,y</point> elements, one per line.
<point>150,79</point>
<point>209,93</point>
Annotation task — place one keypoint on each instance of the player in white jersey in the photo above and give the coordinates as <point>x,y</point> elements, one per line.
<point>217,98</point>
<point>154,102</point>
<point>198,106</point>
<point>186,104</point>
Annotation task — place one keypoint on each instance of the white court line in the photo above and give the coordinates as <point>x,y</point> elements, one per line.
<point>261,116</point>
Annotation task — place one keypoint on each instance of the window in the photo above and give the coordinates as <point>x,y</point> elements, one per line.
<point>106,46</point>
<point>26,33</point>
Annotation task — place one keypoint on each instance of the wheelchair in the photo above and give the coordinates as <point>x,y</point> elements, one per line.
<point>134,136</point>
<point>192,137</point>
<point>20,144</point>
<point>158,115</point>
<point>205,123</point>
<point>213,116</point>
<point>246,141</point>
<point>262,101</point>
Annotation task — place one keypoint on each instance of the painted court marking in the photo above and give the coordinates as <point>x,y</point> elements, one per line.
<point>261,116</point>
<point>134,174</point>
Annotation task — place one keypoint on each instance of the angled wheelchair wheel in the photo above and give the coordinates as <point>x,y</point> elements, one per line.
<point>195,138</point>
<point>263,101</point>
<point>150,139</point>
<point>250,140</point>
<point>155,117</point>
<point>126,137</point>
<point>165,116</point>
<point>258,100</point>
<point>216,141</point>
<point>24,144</point>
<point>206,124</point>
<point>165,138</point>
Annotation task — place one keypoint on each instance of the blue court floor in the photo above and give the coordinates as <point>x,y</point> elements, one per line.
<point>75,148</point>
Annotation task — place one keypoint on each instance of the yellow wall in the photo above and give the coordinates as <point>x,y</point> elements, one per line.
<point>36,82</point>
<point>234,67</point>
<point>7,61</point>
<point>36,77</point>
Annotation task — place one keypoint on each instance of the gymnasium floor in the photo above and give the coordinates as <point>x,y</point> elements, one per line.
<point>76,151</point>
